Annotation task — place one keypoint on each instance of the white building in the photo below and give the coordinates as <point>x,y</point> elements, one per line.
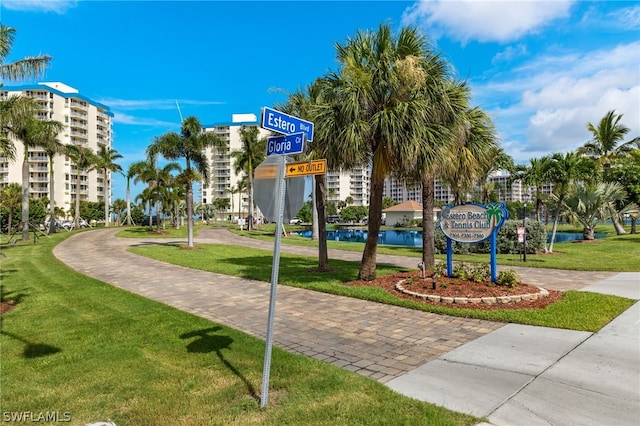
<point>86,123</point>
<point>222,177</point>
<point>354,183</point>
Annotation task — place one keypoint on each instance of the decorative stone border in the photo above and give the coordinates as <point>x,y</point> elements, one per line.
<point>471,300</point>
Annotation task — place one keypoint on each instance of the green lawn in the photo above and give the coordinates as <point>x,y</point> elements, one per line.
<point>613,253</point>
<point>297,271</point>
<point>76,345</point>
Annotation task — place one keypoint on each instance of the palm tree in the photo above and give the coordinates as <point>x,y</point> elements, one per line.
<point>118,206</point>
<point>607,135</point>
<point>11,199</point>
<point>52,147</point>
<point>232,191</point>
<point>373,113</point>
<point>131,173</point>
<point>471,153</point>
<point>563,170</point>
<point>33,133</point>
<point>29,67</point>
<point>106,162</point>
<point>248,158</point>
<point>305,104</point>
<point>535,175</point>
<point>155,177</point>
<point>190,144</point>
<point>16,110</point>
<point>586,204</point>
<point>83,159</point>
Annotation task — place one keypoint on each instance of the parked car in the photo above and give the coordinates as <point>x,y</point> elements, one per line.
<point>333,219</point>
<point>295,221</point>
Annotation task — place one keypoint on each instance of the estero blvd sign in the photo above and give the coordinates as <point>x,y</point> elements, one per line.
<point>471,223</point>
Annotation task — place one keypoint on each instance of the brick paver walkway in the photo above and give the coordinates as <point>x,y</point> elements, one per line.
<point>372,339</point>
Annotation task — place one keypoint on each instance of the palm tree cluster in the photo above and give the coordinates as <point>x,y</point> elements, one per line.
<point>18,122</point>
<point>395,106</point>
<point>594,183</point>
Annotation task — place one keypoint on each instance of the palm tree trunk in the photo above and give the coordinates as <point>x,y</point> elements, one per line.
<point>106,199</point>
<point>428,227</point>
<point>250,222</point>
<point>633,225</point>
<point>588,233</point>
<point>129,220</point>
<point>315,228</point>
<point>25,195</point>
<point>616,223</point>
<point>52,207</point>
<point>368,263</point>
<point>76,219</point>
<point>189,215</point>
<point>555,223</point>
<point>319,191</point>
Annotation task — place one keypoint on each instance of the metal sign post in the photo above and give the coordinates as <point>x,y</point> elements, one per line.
<point>274,282</point>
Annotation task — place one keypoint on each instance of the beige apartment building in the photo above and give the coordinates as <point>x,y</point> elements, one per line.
<point>223,182</point>
<point>86,123</point>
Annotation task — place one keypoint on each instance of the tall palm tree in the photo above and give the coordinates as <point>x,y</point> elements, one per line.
<point>118,206</point>
<point>305,104</point>
<point>83,158</point>
<point>106,162</point>
<point>248,158</point>
<point>52,147</point>
<point>131,173</point>
<point>376,112</point>
<point>190,144</point>
<point>607,137</point>
<point>33,133</point>
<point>563,170</point>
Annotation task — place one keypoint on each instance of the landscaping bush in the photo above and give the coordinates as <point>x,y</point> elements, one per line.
<point>507,239</point>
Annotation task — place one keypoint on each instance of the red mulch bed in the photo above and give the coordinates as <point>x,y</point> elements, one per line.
<point>460,288</point>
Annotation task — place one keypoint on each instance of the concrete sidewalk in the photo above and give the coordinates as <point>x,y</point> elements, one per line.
<point>512,374</point>
<point>523,375</point>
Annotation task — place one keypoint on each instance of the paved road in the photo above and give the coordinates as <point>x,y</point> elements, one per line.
<point>511,374</point>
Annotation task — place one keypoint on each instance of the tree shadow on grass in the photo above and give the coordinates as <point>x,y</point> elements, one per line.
<point>207,342</point>
<point>32,349</point>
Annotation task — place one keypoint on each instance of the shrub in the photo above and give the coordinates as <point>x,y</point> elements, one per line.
<point>508,278</point>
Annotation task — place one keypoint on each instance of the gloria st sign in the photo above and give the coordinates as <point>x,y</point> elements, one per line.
<point>287,144</point>
<point>471,223</point>
<point>285,123</point>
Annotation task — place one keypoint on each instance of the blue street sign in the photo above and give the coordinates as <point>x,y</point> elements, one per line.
<point>287,144</point>
<point>285,123</point>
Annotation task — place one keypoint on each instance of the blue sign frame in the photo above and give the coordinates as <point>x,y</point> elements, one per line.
<point>284,123</point>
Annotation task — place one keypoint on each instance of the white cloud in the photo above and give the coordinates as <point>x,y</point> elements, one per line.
<point>55,6</point>
<point>482,20</point>
<point>121,118</point>
<point>152,104</point>
<point>558,94</point>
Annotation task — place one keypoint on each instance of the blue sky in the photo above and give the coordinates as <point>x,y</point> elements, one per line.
<point>542,70</point>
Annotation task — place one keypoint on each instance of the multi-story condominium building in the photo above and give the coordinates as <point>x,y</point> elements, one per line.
<point>86,123</point>
<point>507,190</point>
<point>354,183</point>
<point>223,182</point>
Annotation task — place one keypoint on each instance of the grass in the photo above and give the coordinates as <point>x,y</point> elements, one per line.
<point>577,311</point>
<point>613,253</point>
<point>76,345</point>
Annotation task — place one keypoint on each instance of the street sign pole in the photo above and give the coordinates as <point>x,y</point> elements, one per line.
<point>274,280</point>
